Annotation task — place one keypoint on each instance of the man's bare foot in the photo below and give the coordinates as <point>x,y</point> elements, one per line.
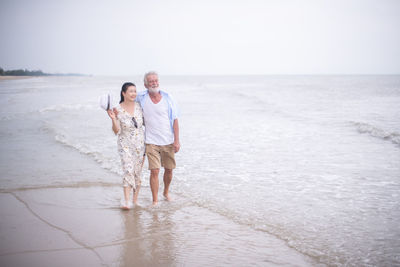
<point>154,203</point>
<point>167,197</point>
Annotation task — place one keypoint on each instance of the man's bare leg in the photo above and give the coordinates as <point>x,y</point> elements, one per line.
<point>167,182</point>
<point>154,185</point>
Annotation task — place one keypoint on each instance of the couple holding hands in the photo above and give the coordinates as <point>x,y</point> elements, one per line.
<point>156,110</point>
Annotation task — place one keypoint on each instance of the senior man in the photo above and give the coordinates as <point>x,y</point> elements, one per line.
<point>162,132</point>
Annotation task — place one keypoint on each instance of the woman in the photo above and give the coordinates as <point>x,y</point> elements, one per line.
<point>127,123</point>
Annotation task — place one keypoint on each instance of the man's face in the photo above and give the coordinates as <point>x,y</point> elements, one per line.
<point>152,82</point>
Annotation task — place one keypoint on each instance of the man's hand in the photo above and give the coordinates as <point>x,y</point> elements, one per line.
<point>177,146</point>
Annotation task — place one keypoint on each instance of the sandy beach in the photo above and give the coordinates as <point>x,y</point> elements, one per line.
<point>3,78</point>
<point>39,232</point>
<point>67,225</point>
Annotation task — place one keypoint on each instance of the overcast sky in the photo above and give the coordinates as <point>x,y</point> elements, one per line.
<point>107,37</point>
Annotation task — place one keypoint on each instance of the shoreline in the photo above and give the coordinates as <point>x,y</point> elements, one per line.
<point>7,77</point>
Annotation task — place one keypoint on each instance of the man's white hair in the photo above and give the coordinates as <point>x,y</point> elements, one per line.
<point>148,74</point>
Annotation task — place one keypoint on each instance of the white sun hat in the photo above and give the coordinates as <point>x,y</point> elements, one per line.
<point>106,101</point>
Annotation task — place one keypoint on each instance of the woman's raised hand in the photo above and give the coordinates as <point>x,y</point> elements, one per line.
<point>112,114</point>
<point>115,112</point>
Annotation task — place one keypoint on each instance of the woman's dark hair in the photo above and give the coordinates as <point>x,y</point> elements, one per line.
<point>124,88</point>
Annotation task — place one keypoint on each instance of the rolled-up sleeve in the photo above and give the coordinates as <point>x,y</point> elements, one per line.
<point>173,110</point>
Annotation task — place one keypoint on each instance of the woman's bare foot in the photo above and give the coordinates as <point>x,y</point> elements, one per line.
<point>125,207</point>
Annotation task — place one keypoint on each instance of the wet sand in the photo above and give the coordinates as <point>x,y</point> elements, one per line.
<point>57,227</point>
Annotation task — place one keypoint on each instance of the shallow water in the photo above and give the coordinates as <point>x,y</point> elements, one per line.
<point>312,161</point>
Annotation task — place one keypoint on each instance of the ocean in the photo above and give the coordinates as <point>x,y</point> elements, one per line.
<point>312,162</point>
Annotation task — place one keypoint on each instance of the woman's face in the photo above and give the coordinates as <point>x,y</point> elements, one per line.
<point>130,94</point>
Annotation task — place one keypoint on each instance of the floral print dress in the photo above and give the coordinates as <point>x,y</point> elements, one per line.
<point>131,145</point>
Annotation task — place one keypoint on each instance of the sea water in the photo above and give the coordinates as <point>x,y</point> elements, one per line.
<point>311,160</point>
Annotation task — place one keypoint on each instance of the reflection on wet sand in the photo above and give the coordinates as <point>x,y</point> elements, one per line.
<point>180,234</point>
<point>149,238</point>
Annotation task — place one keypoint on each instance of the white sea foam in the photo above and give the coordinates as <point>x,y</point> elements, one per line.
<point>366,128</point>
<point>108,163</point>
<point>96,151</point>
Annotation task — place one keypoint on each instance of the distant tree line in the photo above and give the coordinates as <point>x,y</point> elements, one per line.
<point>25,72</point>
<point>22,72</point>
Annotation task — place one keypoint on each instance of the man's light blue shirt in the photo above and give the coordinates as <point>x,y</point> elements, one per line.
<point>172,107</point>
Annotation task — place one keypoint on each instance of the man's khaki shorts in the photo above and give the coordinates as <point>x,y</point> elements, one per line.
<point>160,156</point>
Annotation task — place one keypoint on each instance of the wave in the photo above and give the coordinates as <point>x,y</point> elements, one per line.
<point>83,184</point>
<point>110,163</point>
<point>63,107</point>
<point>254,99</point>
<point>7,117</point>
<point>365,128</point>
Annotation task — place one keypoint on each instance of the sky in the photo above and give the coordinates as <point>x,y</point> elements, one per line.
<point>207,37</point>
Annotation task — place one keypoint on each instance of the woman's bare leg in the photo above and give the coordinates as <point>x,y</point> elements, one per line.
<point>136,194</point>
<point>127,191</point>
